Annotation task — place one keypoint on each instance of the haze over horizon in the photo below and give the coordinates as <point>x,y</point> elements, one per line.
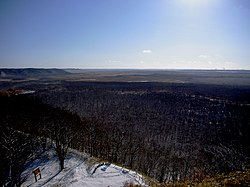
<point>113,34</point>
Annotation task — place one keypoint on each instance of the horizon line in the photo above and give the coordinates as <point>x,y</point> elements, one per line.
<point>166,69</point>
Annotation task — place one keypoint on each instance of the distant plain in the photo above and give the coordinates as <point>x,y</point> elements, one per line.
<point>216,77</point>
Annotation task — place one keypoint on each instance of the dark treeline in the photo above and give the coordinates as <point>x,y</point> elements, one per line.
<point>167,131</point>
<point>170,132</point>
<point>26,126</point>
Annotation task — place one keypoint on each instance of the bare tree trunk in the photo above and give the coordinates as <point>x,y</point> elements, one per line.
<point>61,162</point>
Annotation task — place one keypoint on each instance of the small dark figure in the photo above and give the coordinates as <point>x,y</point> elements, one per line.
<point>36,173</point>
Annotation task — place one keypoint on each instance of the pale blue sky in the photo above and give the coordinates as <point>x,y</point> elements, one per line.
<point>203,34</point>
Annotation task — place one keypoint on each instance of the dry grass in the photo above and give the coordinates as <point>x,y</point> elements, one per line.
<point>233,179</point>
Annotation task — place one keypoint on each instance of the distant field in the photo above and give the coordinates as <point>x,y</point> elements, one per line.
<point>171,76</point>
<point>216,77</point>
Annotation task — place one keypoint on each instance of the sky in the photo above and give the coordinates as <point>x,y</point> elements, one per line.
<point>116,34</point>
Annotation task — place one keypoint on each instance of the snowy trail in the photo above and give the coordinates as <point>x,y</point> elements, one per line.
<point>75,173</point>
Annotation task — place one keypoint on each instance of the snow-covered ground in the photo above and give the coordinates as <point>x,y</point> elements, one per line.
<point>77,172</point>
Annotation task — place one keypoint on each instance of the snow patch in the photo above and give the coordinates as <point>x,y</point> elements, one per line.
<point>76,172</point>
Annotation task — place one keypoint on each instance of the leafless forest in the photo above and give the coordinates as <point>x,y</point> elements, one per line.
<point>168,131</point>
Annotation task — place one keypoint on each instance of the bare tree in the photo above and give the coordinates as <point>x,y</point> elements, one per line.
<point>16,148</point>
<point>63,132</point>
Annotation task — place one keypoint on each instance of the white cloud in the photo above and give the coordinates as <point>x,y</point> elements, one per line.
<point>114,61</point>
<point>146,51</point>
<point>203,56</point>
<point>142,62</point>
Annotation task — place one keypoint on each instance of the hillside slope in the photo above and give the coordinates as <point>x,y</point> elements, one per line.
<point>78,172</point>
<point>28,72</point>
